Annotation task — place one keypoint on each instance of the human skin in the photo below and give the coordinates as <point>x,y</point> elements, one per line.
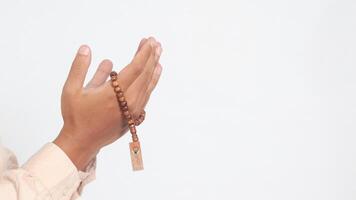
<point>91,116</point>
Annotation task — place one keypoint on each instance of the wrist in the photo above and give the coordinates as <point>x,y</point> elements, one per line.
<point>79,153</point>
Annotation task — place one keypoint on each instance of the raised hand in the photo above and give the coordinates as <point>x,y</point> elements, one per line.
<point>91,115</point>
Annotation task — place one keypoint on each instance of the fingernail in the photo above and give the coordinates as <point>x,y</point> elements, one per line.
<point>84,50</point>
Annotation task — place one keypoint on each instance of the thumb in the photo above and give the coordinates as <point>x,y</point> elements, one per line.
<point>79,69</point>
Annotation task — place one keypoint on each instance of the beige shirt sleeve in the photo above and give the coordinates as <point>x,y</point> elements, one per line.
<point>48,175</point>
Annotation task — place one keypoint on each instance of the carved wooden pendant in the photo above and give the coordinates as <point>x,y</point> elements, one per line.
<point>136,156</point>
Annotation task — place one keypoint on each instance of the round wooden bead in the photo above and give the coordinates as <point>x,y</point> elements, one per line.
<point>125,108</point>
<point>132,126</point>
<point>134,138</point>
<point>123,103</point>
<point>121,99</point>
<point>115,84</point>
<point>117,89</point>
<point>113,73</point>
<point>120,94</point>
<point>133,130</point>
<point>127,114</point>
<point>131,122</point>
<point>142,117</point>
<point>141,120</point>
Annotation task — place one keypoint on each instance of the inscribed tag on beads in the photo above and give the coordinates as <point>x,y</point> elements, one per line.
<point>136,156</point>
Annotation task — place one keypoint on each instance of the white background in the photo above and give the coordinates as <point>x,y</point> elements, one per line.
<point>257,99</point>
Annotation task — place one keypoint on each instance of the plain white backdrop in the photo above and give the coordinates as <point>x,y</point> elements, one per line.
<point>257,99</point>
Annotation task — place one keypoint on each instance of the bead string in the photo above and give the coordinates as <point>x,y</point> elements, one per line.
<point>125,109</point>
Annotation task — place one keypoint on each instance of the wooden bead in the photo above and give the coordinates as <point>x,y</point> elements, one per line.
<point>120,94</point>
<point>115,83</point>
<point>143,113</point>
<point>121,99</point>
<point>113,73</point>
<point>125,108</point>
<point>134,138</point>
<point>133,130</point>
<point>127,114</point>
<point>123,103</point>
<point>117,89</point>
<point>131,122</point>
<point>141,118</point>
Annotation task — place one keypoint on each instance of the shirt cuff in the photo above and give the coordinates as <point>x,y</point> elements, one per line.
<point>56,172</point>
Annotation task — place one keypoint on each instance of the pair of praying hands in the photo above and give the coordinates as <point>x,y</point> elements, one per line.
<point>92,118</point>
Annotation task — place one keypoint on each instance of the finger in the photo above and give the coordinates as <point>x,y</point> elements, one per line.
<point>132,71</point>
<point>101,74</point>
<point>79,69</point>
<point>156,75</point>
<point>127,75</point>
<point>140,85</point>
<point>142,82</point>
<point>143,41</point>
